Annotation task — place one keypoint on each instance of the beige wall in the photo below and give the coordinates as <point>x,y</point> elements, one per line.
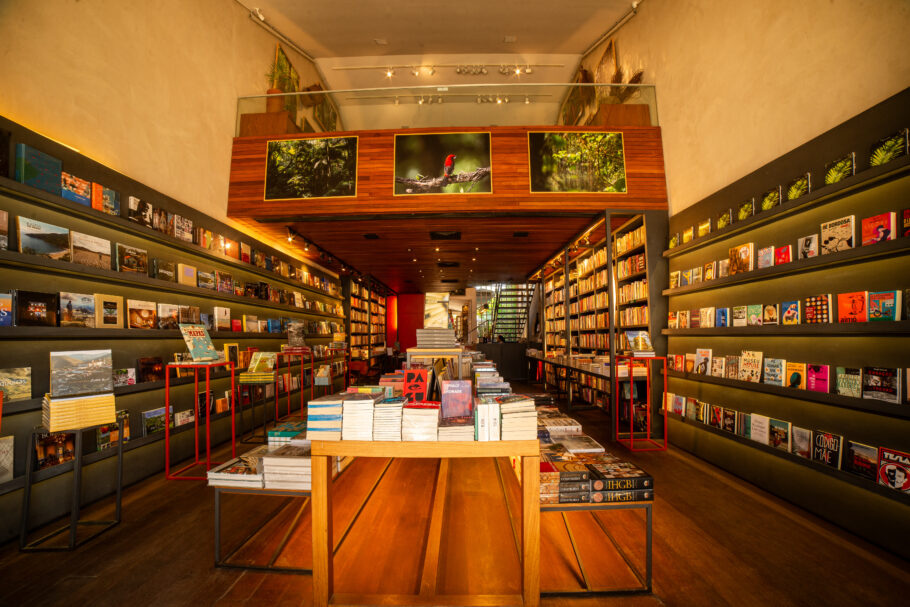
<point>741,82</point>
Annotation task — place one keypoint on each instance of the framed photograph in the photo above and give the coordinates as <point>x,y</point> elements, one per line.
<point>317,167</point>
<point>443,163</point>
<point>591,162</point>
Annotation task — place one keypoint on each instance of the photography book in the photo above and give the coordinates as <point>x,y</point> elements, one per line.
<point>80,372</point>
<point>105,200</point>
<point>141,314</point>
<point>108,311</point>
<point>77,309</point>
<point>43,239</point>
<point>132,259</point>
<point>36,309</point>
<point>90,250</point>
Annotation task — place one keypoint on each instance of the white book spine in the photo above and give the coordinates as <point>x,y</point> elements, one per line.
<point>494,425</point>
<point>483,414</point>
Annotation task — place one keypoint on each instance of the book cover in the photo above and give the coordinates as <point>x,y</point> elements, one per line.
<point>741,258</point>
<point>90,250</point>
<point>674,279</point>
<point>205,280</point>
<point>168,316</point>
<point>743,425</point>
<point>672,320</point>
<point>695,319</point>
<point>108,311</point>
<point>732,366</point>
<point>704,227</point>
<point>779,434</point>
<point>132,259</point>
<point>750,366</point>
<point>77,309</point>
<point>851,307</point>
<point>7,444</point>
<point>141,314</point>
<point>770,199</point>
<point>105,200</point>
<point>894,469</point>
<point>775,371</point>
<point>639,341</point>
<point>707,317</point>
<point>153,421</point>
<point>718,366</point>
<point>715,416</point>
<point>6,309</point>
<point>702,360</point>
<point>159,220</point>
<point>801,442</point>
<point>456,399</point>
<point>199,343</point>
<point>186,274</point>
<point>685,278</point>
<point>754,315</point>
<point>889,148</point>
<point>688,234</point>
<point>860,459</point>
<point>838,234</point>
<point>79,372</point>
<point>183,228</point>
<point>722,317</point>
<point>817,378</point>
<point>740,316</point>
<point>222,318</point>
<point>683,316</point>
<point>76,189</point>
<point>882,383</point>
<point>765,257</point>
<point>690,362</point>
<point>701,412</point>
<point>770,314</point>
<point>799,187</point>
<point>4,230</point>
<point>245,252</point>
<point>150,368</point>
<point>139,211</point>
<point>37,169</point>
<point>759,429</point>
<point>885,305</point>
<point>879,228</point>
<point>236,325</point>
<point>840,169</point>
<point>224,282</point>
<point>796,375</point>
<point>164,270</point>
<point>54,448</point>
<point>807,247</point>
<point>16,383</point>
<point>711,270</point>
<point>696,275</point>
<point>36,309</point>
<point>723,268</point>
<point>725,218</point>
<point>790,313</point>
<point>43,239</point>
<point>817,309</point>
<point>849,381</point>
<point>905,223</point>
<point>745,210</point>
<point>783,255</point>
<point>827,448</point>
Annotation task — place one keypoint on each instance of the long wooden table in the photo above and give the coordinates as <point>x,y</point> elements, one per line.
<point>323,570</point>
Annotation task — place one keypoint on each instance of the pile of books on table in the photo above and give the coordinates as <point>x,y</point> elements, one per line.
<point>579,478</point>
<point>387,414</point>
<point>244,471</point>
<point>420,422</point>
<point>324,415</point>
<point>436,338</point>
<point>261,369</point>
<point>519,417</point>
<point>284,432</point>
<point>357,415</point>
<point>288,467</point>
<point>73,412</point>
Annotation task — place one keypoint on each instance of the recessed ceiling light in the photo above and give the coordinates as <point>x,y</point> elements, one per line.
<point>415,259</point>
<point>437,249</point>
<point>473,259</point>
<point>509,39</point>
<point>389,73</point>
<point>380,41</point>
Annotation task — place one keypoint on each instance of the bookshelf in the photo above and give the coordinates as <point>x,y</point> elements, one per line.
<point>367,312</point>
<point>848,492</point>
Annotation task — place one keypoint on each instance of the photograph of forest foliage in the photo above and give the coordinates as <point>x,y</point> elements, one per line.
<point>577,162</point>
<point>311,168</point>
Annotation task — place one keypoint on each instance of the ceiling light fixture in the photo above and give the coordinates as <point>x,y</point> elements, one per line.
<point>389,73</point>
<point>527,100</point>
<point>306,246</point>
<point>416,71</point>
<point>291,234</point>
<point>431,71</point>
<point>420,101</point>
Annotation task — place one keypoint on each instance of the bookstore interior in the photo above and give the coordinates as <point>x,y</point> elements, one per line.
<point>372,312</point>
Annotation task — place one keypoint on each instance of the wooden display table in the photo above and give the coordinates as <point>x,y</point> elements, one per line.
<point>323,569</point>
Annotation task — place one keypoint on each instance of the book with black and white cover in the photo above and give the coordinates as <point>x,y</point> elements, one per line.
<point>387,414</point>
<point>807,247</point>
<point>801,442</point>
<point>732,371</point>
<point>882,383</point>
<point>718,366</point>
<point>140,211</point>
<point>838,235</point>
<point>894,469</point>
<point>740,316</point>
<point>827,448</point>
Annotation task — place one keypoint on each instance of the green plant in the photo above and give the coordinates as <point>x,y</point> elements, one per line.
<point>840,170</point>
<point>889,149</point>
<point>798,188</point>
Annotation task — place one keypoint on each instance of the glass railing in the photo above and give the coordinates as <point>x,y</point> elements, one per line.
<point>473,105</point>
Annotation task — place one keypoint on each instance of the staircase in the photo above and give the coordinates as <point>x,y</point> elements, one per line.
<point>510,314</point>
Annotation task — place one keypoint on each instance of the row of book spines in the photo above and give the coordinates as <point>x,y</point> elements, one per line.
<point>606,497</point>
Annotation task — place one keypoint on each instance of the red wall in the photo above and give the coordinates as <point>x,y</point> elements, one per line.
<point>391,320</point>
<point>410,318</point>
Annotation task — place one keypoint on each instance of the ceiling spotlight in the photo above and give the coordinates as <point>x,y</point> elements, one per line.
<point>483,70</point>
<point>431,71</point>
<point>409,249</point>
<point>389,73</point>
<point>473,259</point>
<point>290,235</point>
<point>439,99</point>
<point>527,100</point>
<point>415,259</point>
<point>528,69</point>
<point>396,101</point>
<point>416,71</point>
<point>518,71</point>
<point>479,100</point>
<point>499,100</point>
<point>306,246</point>
<point>476,248</point>
<point>505,99</point>
<point>420,101</point>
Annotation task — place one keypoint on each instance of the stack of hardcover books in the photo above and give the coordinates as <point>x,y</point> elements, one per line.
<point>387,418</point>
<point>323,420</point>
<point>75,412</point>
<point>436,338</point>
<point>420,422</point>
<point>590,478</point>
<point>244,471</point>
<point>261,369</point>
<point>288,468</point>
<point>519,417</point>
<point>286,432</point>
<point>457,428</point>
<point>81,390</point>
<point>357,416</point>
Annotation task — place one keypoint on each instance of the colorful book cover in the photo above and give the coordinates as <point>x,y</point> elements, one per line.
<point>889,148</point>
<point>105,200</point>
<point>817,309</point>
<point>43,239</point>
<point>77,309</point>
<point>707,318</point>
<point>807,247</point>
<point>704,227</point>
<point>745,210</point>
<point>37,169</point>
<point>740,316</point>
<point>894,469</point>
<point>163,270</point>
<point>759,428</point>
<point>205,280</point>
<point>701,411</point>
<point>817,378</point>
<point>725,218</point>
<point>141,314</point>
<point>690,362</point>
<point>723,268</point>
<point>702,360</point>
<point>683,319</point>
<point>754,315</point>
<point>696,275</point>
<point>827,448</point>
<point>849,381</point>
<point>879,228</point>
<point>685,278</point>
<point>160,221</point>
<point>732,366</point>
<point>743,425</point>
<point>801,442</point>
<point>790,313</point>
<point>885,305</point>
<point>224,282</point>
<point>36,309</point>
<point>456,399</point>
<point>90,250</point>
<point>799,187</point>
<point>6,309</point>
<point>199,343</point>
<point>16,383</point>
<point>765,257</point>
<point>750,366</point>
<point>132,259</point>
<point>695,319</point>
<point>674,279</point>
<point>153,421</point>
<point>672,320</point>
<point>838,235</point>
<point>108,311</point>
<point>79,372</point>
<point>124,377</point>
<point>783,255</point>
<point>905,223</point>
<point>860,459</point>
<point>245,252</point>
<point>715,416</point>
<point>779,434</point>
<point>688,234</point>
<point>770,314</point>
<point>168,316</point>
<point>183,228</point>
<point>711,270</point>
<point>4,230</point>
<point>882,383</point>
<point>840,169</point>
<point>718,366</point>
<point>76,189</point>
<point>851,307</point>
<point>796,375</point>
<point>722,317</point>
<point>742,258</point>
<point>770,199</point>
<point>189,315</point>
<point>728,420</point>
<point>775,371</point>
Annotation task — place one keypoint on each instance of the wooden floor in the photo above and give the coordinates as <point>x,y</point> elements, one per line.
<point>717,541</point>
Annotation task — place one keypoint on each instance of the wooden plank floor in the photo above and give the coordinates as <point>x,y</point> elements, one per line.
<point>717,541</point>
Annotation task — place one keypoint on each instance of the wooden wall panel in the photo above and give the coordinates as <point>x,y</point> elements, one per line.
<point>511,192</point>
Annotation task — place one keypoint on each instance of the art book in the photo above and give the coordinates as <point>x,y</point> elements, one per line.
<point>685,278</point>
<point>674,279</point>
<point>456,399</point>
<point>723,268</point>
<point>704,227</point>
<point>139,211</point>
<point>801,442</point>
<point>80,372</point>
<point>889,148</point>
<point>168,316</point>
<point>879,228</point>
<point>141,314</point>
<point>732,366</point>
<point>105,200</point>
<point>186,274</point>
<point>770,314</point>
<point>43,239</point>
<point>790,313</point>
<point>683,319</point>
<point>702,360</point>
<point>722,317</point>
<point>743,425</point>
<point>750,366</point>
<point>817,309</point>
<point>779,434</point>
<point>222,318</point>
<point>851,307</point>
<point>745,210</point>
<point>740,316</point>
<point>36,309</point>
<point>728,423</point>
<point>77,309</point>
<point>696,275</point>
<point>770,199</point>
<point>711,270</point>
<point>807,247</point>
<point>885,305</point>
<point>759,428</point>
<point>775,371</point>
<point>894,469</point>
<point>860,459</point>
<point>90,250</point>
<point>690,362</point>
<point>16,383</point>
<point>765,257</point>
<point>718,366</point>
<point>817,378</point>
<point>849,381</point>
<point>796,375</point>
<point>672,320</point>
<point>838,235</point>
<point>715,416</point>
<point>199,343</point>
<point>76,189</point>
<point>800,186</point>
<point>108,311</point>
<point>725,218</point>
<point>205,280</point>
<point>827,448</point>
<point>695,319</point>
<point>132,259</point>
<point>783,255</point>
<point>882,383</point>
<point>742,258</point>
<point>688,234</point>
<point>754,315</point>
<point>707,318</point>
<point>37,169</point>
<point>840,169</point>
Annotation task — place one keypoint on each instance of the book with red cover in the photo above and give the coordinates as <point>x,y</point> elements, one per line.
<point>415,385</point>
<point>817,309</point>
<point>879,228</point>
<point>783,254</point>
<point>237,325</point>
<point>852,307</point>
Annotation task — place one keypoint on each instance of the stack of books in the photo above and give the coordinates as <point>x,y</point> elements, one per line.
<point>244,471</point>
<point>261,369</point>
<point>395,381</point>
<point>436,338</point>
<point>457,428</point>
<point>73,412</point>
<point>519,417</point>
<point>556,423</point>
<point>590,478</point>
<point>357,416</point>
<point>323,417</point>
<point>387,418</point>
<point>487,420</point>
<point>420,422</point>
<point>488,381</point>
<point>285,432</point>
<point>288,467</point>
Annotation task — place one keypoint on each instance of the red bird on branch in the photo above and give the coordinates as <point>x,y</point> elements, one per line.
<point>449,166</point>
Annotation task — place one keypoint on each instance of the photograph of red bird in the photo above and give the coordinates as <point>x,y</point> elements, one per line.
<point>449,166</point>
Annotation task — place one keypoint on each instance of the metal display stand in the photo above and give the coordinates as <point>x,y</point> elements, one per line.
<point>289,354</point>
<point>74,522</point>
<point>208,366</point>
<point>628,439</point>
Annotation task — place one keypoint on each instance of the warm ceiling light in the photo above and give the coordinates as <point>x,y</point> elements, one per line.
<point>437,249</point>
<point>473,259</point>
<point>389,73</point>
<point>499,100</point>
<point>290,235</point>
<point>416,71</point>
<point>415,259</point>
<point>518,71</point>
<point>527,100</point>
<point>432,70</point>
<point>476,248</point>
<point>306,246</point>
<point>227,246</point>
<point>420,101</point>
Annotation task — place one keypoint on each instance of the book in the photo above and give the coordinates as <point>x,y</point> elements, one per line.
<point>186,274</point>
<point>770,199</point>
<point>685,278</point>
<point>53,448</point>
<point>817,378</point>
<point>779,434</point>
<point>723,268</point>
<point>849,381</point>
<point>801,442</point>
<point>725,218</point>
<point>108,311</point>
<point>790,313</point>
<point>139,211</point>
<point>894,469</point>
<point>141,314</point>
<point>75,189</point>
<point>199,343</point>
<point>889,148</point>
<point>639,341</point>
<point>205,280</point>
<point>711,270</point>
<point>765,258</point>
<point>77,309</point>
<point>683,319</point>
<point>90,250</point>
<point>37,169</point>
<point>131,259</point>
<point>245,252</point>
<point>80,372</point>
<point>728,420</point>
<point>745,210</point>
<point>696,275</point>
<point>715,416</point>
<point>43,239</point>
<point>754,315</point>
<point>783,255</point>
<point>6,309</point>
<point>222,318</point>
<point>817,309</point>
<point>884,305</point>
<point>722,317</point>
<point>882,383</point>
<point>7,448</point>
<point>688,234</point>
<point>150,368</point>
<point>36,309</point>
<point>838,234</point>
<point>799,187</point>
<point>775,372</point>
<point>690,362</point>
<point>124,377</point>
<point>741,258</point>
<point>224,282</point>
<point>674,279</point>
<point>707,318</point>
<point>704,227</point>
<point>702,360</point>
<point>16,383</point>
<point>750,366</point>
<point>732,366</point>
<point>183,228</point>
<point>160,220</point>
<point>4,230</point>
<point>740,316</point>
<point>796,375</point>
<point>109,435</point>
<point>153,421</point>
<point>163,270</point>
<point>718,366</point>
<point>879,228</point>
<point>456,399</point>
<point>759,429</point>
<point>905,223</point>
<point>770,314</point>
<point>807,247</point>
<point>860,459</point>
<point>851,307</point>
<point>827,448</point>
<point>105,200</point>
<point>743,425</point>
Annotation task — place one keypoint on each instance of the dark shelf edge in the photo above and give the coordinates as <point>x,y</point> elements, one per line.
<point>16,333</point>
<point>900,327</point>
